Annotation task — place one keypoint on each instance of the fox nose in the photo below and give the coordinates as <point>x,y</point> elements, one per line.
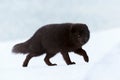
<point>86,39</point>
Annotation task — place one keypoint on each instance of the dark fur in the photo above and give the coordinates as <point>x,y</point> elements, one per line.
<point>54,38</point>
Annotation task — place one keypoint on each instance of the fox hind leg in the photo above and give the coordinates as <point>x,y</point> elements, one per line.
<point>47,59</point>
<point>26,61</point>
<point>28,57</point>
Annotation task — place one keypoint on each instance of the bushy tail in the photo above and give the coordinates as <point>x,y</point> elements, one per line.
<point>21,48</point>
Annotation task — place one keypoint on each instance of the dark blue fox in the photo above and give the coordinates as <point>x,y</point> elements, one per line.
<point>53,38</point>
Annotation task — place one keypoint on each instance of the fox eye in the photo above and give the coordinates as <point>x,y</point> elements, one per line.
<point>82,31</point>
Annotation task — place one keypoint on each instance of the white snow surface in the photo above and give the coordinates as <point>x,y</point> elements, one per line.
<point>103,50</point>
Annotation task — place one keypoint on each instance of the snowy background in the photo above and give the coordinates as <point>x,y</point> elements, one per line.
<point>19,19</point>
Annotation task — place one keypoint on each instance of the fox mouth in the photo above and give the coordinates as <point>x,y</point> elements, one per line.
<point>81,41</point>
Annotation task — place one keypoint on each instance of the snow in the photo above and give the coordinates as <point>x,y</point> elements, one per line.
<point>102,48</point>
<point>107,68</point>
